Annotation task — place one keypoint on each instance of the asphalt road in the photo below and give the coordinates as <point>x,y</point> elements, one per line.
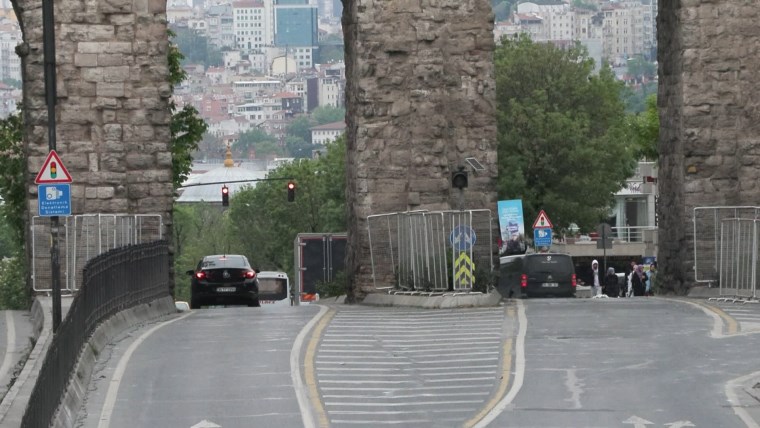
<point>15,335</point>
<point>641,362</point>
<point>626,363</point>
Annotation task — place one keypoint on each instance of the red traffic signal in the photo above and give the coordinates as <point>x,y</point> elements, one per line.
<point>291,191</point>
<point>225,196</point>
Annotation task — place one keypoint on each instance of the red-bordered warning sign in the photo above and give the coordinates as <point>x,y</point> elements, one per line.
<point>542,221</point>
<point>53,171</point>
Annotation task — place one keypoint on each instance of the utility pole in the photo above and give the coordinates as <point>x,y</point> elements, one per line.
<point>48,42</point>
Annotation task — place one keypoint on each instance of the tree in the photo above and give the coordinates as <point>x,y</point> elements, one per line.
<point>264,224</point>
<point>186,126</point>
<point>328,114</point>
<point>300,127</point>
<point>199,230</point>
<point>255,139</point>
<point>559,132</point>
<point>641,69</point>
<point>297,147</point>
<point>14,293</point>
<point>645,129</point>
<point>196,49</point>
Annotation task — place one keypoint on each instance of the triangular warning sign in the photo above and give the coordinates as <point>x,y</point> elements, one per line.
<point>542,221</point>
<point>53,171</point>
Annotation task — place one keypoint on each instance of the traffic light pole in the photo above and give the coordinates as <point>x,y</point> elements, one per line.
<point>48,42</point>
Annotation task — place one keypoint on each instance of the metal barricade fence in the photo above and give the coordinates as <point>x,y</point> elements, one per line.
<point>431,250</point>
<point>86,236</point>
<point>707,235</point>
<point>738,257</point>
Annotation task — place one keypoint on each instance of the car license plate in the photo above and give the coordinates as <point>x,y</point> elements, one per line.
<point>225,289</point>
<point>550,284</point>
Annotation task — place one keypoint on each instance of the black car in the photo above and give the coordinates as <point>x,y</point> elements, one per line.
<point>226,279</point>
<point>537,274</point>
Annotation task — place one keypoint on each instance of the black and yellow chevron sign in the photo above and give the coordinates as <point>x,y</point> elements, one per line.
<point>464,271</point>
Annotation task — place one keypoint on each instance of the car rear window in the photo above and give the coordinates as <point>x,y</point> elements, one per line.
<point>224,262</point>
<point>558,263</point>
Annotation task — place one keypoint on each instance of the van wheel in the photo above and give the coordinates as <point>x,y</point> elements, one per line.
<point>254,303</point>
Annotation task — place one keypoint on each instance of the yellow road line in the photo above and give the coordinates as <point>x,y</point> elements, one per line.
<point>506,370</point>
<point>732,326</point>
<point>310,373</point>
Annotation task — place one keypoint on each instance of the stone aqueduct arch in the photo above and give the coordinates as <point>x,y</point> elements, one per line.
<point>420,97</point>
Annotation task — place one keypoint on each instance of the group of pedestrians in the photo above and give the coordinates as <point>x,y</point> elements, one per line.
<point>637,282</point>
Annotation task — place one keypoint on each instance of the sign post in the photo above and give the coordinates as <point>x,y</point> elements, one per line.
<point>53,200</point>
<point>542,231</point>
<point>605,240</point>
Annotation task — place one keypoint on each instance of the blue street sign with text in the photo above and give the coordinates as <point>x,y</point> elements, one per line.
<point>542,237</point>
<point>54,200</point>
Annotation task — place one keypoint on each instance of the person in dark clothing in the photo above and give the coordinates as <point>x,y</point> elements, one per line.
<point>611,284</point>
<point>637,281</point>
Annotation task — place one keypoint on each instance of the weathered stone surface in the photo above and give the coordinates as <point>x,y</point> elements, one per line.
<point>420,98</point>
<point>98,45</point>
<point>708,118</point>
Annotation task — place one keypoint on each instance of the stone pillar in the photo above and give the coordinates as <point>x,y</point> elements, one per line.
<point>420,99</point>
<point>709,121</point>
<point>112,113</point>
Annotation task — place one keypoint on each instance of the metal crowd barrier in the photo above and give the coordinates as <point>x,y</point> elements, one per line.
<point>707,235</point>
<point>84,237</point>
<point>738,261</point>
<point>432,250</point>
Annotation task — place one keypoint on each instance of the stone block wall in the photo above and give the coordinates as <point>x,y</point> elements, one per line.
<point>112,113</point>
<point>420,99</point>
<point>709,52</point>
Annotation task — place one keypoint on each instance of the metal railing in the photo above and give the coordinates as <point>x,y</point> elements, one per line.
<point>738,261</point>
<point>114,281</point>
<point>432,251</point>
<point>86,236</point>
<point>707,237</point>
<point>620,234</point>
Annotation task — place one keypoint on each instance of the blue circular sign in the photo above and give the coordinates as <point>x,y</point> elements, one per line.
<point>462,238</point>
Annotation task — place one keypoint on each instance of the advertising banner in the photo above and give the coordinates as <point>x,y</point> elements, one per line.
<point>511,222</point>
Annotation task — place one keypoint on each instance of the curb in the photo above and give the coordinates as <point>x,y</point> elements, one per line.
<point>433,302</point>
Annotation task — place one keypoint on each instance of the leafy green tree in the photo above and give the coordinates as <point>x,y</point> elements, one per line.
<point>559,129</point>
<point>187,127</point>
<point>297,147</point>
<point>328,114</point>
<point>196,49</point>
<point>199,230</point>
<point>300,127</point>
<point>256,139</point>
<point>645,129</point>
<point>13,82</point>
<point>636,97</point>
<point>12,185</point>
<point>264,223</point>
<point>14,293</point>
<point>641,69</point>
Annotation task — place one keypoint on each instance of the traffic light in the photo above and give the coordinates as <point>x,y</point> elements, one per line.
<point>291,191</point>
<point>225,196</point>
<point>459,178</point>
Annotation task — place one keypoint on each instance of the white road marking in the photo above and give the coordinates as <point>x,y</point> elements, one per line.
<point>519,369</point>
<point>733,398</point>
<point>302,393</point>
<point>10,345</point>
<point>113,386</point>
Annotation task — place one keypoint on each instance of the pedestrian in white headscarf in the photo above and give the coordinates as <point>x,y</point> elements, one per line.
<point>597,280</point>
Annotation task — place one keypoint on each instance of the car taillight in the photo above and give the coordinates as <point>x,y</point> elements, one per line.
<point>573,280</point>
<point>523,280</point>
<point>250,274</point>
<point>200,275</point>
